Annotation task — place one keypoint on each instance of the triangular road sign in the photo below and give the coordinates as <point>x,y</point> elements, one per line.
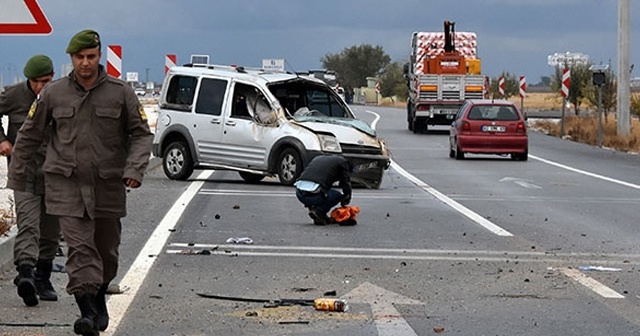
<point>22,17</point>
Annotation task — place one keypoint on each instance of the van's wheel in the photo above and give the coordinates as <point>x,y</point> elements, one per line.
<point>250,177</point>
<point>177,162</point>
<point>289,166</point>
<point>378,182</point>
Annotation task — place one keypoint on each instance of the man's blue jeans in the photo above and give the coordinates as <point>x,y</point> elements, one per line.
<point>323,202</point>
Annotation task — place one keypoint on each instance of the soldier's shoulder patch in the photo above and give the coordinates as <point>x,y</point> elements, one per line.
<point>32,109</point>
<point>143,115</point>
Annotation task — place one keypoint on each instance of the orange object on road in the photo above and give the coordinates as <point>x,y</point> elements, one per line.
<point>345,213</point>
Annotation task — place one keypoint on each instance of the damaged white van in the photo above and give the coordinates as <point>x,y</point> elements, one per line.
<point>259,123</point>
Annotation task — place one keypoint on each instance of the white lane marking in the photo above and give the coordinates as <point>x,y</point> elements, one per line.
<point>386,317</point>
<point>523,183</point>
<point>450,202</point>
<point>591,283</point>
<point>268,193</point>
<point>554,255</point>
<point>584,172</point>
<point>239,250</point>
<point>118,304</point>
<point>375,120</point>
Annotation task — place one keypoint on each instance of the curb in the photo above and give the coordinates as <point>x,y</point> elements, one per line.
<point>8,239</point>
<point>6,245</point>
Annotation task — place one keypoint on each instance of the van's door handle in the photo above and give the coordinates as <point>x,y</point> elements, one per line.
<point>230,123</point>
<point>215,121</point>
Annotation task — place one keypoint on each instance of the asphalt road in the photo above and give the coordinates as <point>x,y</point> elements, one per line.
<point>483,246</point>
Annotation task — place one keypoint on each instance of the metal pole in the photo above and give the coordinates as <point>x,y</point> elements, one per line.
<point>624,77</point>
<point>564,103</point>
<point>599,115</point>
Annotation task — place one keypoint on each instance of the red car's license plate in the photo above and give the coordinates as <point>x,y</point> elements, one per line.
<point>492,128</point>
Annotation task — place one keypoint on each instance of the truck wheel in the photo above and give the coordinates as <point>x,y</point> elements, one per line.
<point>289,166</point>
<point>177,162</point>
<point>418,126</point>
<point>250,177</point>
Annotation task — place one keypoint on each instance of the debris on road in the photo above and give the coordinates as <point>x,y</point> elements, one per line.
<point>268,303</point>
<point>243,240</point>
<point>116,289</point>
<point>195,251</point>
<point>600,268</point>
<point>326,304</point>
<point>293,322</point>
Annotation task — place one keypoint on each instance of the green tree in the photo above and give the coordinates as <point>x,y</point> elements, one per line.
<point>580,78</point>
<point>353,65</point>
<point>511,86</point>
<point>545,81</point>
<point>392,81</point>
<point>635,104</point>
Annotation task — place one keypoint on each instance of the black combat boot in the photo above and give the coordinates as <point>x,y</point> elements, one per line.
<point>87,324</point>
<point>101,307</point>
<point>27,285</point>
<point>43,283</point>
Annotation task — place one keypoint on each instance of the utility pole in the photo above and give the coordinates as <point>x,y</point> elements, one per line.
<point>624,75</point>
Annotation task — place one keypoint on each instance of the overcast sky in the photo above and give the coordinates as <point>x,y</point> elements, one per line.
<point>513,35</point>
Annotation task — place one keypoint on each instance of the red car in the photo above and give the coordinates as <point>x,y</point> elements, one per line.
<point>489,127</point>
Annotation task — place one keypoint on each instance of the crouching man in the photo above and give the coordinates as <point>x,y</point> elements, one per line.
<point>314,187</point>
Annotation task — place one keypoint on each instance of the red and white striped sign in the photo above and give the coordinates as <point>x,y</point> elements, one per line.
<point>523,86</point>
<point>566,81</point>
<point>114,61</point>
<point>501,86</point>
<point>378,87</point>
<point>23,17</point>
<point>169,62</point>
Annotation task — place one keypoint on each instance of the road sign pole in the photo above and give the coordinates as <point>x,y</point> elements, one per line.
<point>564,103</point>
<point>599,115</point>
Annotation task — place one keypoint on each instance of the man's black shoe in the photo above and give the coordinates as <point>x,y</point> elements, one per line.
<point>27,286</point>
<point>318,218</point>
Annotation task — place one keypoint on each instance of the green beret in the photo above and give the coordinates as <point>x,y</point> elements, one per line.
<point>85,39</point>
<point>38,66</point>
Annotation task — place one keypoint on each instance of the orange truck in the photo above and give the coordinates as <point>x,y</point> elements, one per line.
<point>443,71</point>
